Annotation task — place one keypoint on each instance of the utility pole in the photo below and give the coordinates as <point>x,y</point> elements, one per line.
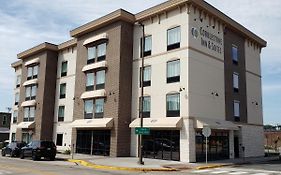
<point>140,142</point>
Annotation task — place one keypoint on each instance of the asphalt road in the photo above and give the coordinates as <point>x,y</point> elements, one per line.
<point>16,166</point>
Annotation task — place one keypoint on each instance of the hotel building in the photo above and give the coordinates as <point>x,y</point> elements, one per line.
<point>201,69</point>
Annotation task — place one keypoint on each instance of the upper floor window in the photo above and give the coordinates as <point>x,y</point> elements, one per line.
<point>235,77</point>
<point>62,90</point>
<point>236,110</point>
<point>97,52</point>
<point>95,80</point>
<point>32,72</point>
<point>15,117</point>
<point>5,120</point>
<point>17,98</point>
<point>63,69</point>
<point>146,76</point>
<point>93,108</point>
<point>61,114</point>
<point>18,81</point>
<point>147,46</point>
<point>173,38</point>
<point>234,54</point>
<point>173,71</point>
<point>173,105</point>
<point>29,114</point>
<point>146,106</point>
<point>30,92</point>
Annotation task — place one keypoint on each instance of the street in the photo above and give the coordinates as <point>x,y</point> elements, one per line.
<point>16,166</point>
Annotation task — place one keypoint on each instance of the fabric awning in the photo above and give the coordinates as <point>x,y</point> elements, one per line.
<point>29,82</point>
<point>215,124</point>
<point>28,103</point>
<point>93,123</point>
<point>26,125</point>
<point>93,94</point>
<point>93,66</point>
<point>164,122</point>
<point>4,130</point>
<point>33,61</point>
<point>95,38</point>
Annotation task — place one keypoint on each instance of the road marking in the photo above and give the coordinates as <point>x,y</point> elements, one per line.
<point>238,172</point>
<point>201,171</point>
<point>219,172</point>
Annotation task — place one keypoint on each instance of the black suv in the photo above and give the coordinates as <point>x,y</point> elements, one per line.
<point>13,149</point>
<point>38,149</point>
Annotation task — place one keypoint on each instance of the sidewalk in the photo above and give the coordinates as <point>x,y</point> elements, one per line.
<point>131,163</point>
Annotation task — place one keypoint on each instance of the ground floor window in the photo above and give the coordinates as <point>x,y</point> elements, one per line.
<point>218,146</point>
<point>94,142</point>
<point>26,137</point>
<point>162,144</point>
<point>13,137</point>
<point>59,139</point>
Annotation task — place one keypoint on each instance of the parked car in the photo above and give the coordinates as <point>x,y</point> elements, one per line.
<point>13,149</point>
<point>38,149</point>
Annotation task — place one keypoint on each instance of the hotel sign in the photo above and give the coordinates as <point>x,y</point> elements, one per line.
<point>208,39</point>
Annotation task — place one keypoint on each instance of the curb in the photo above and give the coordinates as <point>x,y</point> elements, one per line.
<point>212,166</point>
<point>104,167</point>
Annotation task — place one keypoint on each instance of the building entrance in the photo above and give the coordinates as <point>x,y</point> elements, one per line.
<point>218,146</point>
<point>162,144</point>
<point>93,142</point>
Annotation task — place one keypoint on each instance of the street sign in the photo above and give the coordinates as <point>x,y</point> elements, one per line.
<point>206,131</point>
<point>142,131</point>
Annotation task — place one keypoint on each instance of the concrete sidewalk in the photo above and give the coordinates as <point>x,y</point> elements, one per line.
<point>131,163</point>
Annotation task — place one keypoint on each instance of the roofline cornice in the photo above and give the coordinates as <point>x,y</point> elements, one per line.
<point>37,49</point>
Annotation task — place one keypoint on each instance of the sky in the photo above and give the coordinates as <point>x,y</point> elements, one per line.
<point>27,23</point>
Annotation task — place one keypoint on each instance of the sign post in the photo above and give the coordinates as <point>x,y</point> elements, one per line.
<point>206,131</point>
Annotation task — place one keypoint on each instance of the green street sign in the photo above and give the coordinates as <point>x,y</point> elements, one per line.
<point>142,131</point>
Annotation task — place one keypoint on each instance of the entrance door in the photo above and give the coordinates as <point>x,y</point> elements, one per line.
<point>95,142</point>
<point>236,147</point>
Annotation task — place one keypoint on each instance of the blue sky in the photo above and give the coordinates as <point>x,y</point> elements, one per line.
<point>26,23</point>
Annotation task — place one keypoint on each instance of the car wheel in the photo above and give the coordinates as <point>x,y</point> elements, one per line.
<point>34,157</point>
<point>22,155</point>
<point>52,158</point>
<point>3,153</point>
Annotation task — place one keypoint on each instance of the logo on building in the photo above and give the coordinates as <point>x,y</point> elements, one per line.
<point>194,32</point>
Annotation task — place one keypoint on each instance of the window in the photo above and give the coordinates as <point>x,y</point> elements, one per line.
<point>99,108</point>
<point>173,105</point>
<point>173,38</point>
<point>13,137</point>
<point>18,81</point>
<point>30,92</point>
<point>15,116</point>
<point>90,79</point>
<point>59,139</point>
<point>173,71</point>
<point>236,111</point>
<point>88,108</point>
<point>96,52</point>
<point>234,54</point>
<point>100,79</point>
<point>61,114</point>
<point>29,114</point>
<point>27,138</point>
<point>235,77</point>
<point>62,90</point>
<point>146,76</point>
<point>93,108</point>
<point>63,69</point>
<point>32,72</point>
<point>4,121</point>
<point>146,106</point>
<point>147,46</point>
<point>17,97</point>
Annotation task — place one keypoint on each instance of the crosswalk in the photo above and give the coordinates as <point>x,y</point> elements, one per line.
<point>4,172</point>
<point>233,171</point>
